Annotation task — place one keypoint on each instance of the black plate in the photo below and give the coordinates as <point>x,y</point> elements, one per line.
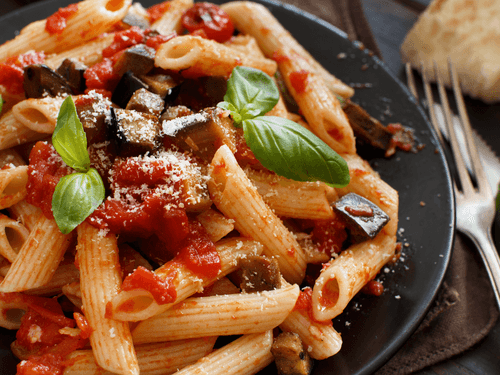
<point>372,328</point>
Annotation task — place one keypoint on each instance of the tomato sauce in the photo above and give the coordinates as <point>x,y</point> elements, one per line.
<point>44,172</point>
<point>329,235</point>
<point>374,288</point>
<point>156,11</point>
<point>11,71</point>
<point>44,348</point>
<point>56,23</point>
<point>298,80</point>
<point>304,305</point>
<point>162,289</point>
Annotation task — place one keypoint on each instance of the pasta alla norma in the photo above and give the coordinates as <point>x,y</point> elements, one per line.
<point>160,192</point>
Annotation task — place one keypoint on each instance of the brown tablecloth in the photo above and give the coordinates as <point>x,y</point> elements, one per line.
<point>465,309</point>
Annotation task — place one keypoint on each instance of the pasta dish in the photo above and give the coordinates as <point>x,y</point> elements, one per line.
<point>175,175</point>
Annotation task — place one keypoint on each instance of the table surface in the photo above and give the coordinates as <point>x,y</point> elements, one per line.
<point>390,20</point>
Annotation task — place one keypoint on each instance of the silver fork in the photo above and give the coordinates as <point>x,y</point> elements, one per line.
<point>475,205</point>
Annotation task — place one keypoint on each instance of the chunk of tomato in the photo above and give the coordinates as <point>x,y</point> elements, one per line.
<point>210,20</point>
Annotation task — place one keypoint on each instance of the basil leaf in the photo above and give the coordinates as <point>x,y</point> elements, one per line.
<point>294,152</point>
<point>1,103</point>
<point>69,139</point>
<point>251,92</point>
<point>76,196</point>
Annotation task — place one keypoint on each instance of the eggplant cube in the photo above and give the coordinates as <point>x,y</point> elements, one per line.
<point>146,102</point>
<point>165,85</point>
<point>139,59</point>
<point>132,132</point>
<point>72,71</point>
<point>364,219</point>
<point>41,81</point>
<point>126,87</point>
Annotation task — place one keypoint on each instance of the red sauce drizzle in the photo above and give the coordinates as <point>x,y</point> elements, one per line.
<point>360,211</point>
<point>44,172</point>
<point>329,235</point>
<point>298,80</point>
<point>83,324</point>
<point>40,339</point>
<point>304,305</point>
<point>156,41</point>
<point>57,22</point>
<point>162,289</point>
<point>156,11</point>
<point>279,57</point>
<point>11,71</point>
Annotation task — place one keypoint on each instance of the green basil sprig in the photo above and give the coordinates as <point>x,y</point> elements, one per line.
<point>77,195</point>
<point>281,145</point>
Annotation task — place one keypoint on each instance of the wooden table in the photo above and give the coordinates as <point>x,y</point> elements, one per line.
<point>390,21</point>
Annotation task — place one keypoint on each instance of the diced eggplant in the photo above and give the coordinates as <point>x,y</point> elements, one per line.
<point>126,87</point>
<point>138,59</point>
<point>166,86</point>
<point>133,133</point>
<point>201,133</point>
<point>137,16</point>
<point>290,355</point>
<point>364,219</point>
<point>366,128</point>
<point>146,102</point>
<point>72,71</point>
<point>257,274</point>
<point>201,93</point>
<point>41,81</point>
<point>92,112</point>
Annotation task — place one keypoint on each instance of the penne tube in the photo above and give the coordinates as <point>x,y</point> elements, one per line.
<point>245,44</point>
<point>139,304</point>
<point>196,57</point>
<point>14,133</point>
<point>216,224</point>
<point>10,157</point>
<point>45,247</point>
<point>25,213</point>
<point>89,53</point>
<point>347,274</point>
<point>225,315</point>
<point>249,18</point>
<point>13,182</point>
<point>92,18</point>
<point>65,273</point>
<point>321,340</point>
<point>244,356</point>
<point>73,292</point>
<point>236,197</point>
<point>100,281</point>
<point>12,308</point>
<point>39,115</point>
<point>317,102</point>
<point>12,237</point>
<point>288,198</point>
<point>170,21</point>
<point>154,359</point>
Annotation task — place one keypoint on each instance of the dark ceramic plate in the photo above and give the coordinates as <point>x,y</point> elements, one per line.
<point>373,328</point>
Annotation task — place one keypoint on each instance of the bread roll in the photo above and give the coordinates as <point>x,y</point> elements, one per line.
<point>466,31</point>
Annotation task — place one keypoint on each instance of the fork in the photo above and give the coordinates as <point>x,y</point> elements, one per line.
<point>475,205</point>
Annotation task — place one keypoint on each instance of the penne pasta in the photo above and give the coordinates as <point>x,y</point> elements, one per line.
<point>14,133</point>
<point>12,237</point>
<point>236,197</point>
<point>138,304</point>
<point>170,21</point>
<point>92,18</point>
<point>100,282</point>
<point>153,359</point>
<point>39,115</point>
<point>246,355</point>
<point>225,315</point>
<point>197,57</point>
<point>45,247</point>
<point>12,185</point>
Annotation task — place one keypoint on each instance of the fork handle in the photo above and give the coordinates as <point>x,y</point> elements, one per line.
<point>491,259</point>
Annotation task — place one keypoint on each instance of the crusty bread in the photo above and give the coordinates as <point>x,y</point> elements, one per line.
<point>468,33</point>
